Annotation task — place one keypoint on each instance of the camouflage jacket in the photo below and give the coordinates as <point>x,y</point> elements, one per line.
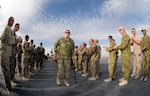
<point>145,43</point>
<point>93,52</point>
<point>64,48</point>
<point>26,49</point>
<point>7,40</point>
<point>19,49</point>
<point>112,52</point>
<point>125,46</point>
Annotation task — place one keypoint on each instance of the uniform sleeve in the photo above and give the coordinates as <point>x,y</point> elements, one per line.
<point>92,49</point>
<point>110,48</point>
<point>10,37</point>
<point>124,42</point>
<point>72,47</point>
<point>56,46</point>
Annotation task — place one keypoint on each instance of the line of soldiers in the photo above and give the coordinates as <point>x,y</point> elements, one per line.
<point>15,57</point>
<point>82,56</point>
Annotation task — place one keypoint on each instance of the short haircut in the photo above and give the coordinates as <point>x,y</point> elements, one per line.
<point>17,24</point>
<point>32,40</point>
<point>41,43</point>
<point>27,37</point>
<point>110,36</point>
<point>133,29</point>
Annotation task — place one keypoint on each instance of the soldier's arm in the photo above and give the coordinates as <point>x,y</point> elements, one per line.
<point>56,46</point>
<point>11,38</point>
<point>92,49</point>
<point>110,48</point>
<point>124,43</point>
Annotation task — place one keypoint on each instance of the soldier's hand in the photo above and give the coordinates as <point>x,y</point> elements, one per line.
<point>115,47</point>
<point>105,47</point>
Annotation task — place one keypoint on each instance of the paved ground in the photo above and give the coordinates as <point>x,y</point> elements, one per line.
<point>43,84</point>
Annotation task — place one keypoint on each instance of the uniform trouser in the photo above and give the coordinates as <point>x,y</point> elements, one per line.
<point>98,68</point>
<point>126,67</point>
<point>79,64</point>
<point>136,65</point>
<point>5,62</point>
<point>145,66</point>
<point>93,68</point>
<point>112,66</point>
<point>64,66</point>
<point>85,66</point>
<point>12,65</point>
<point>75,61</point>
<point>32,64</point>
<point>25,70</point>
<point>18,64</point>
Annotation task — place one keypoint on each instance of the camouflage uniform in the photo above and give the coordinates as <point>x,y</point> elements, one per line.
<point>32,58</point>
<point>93,59</point>
<point>42,56</point>
<point>64,48</point>
<point>112,60</point>
<point>13,59</point>
<point>7,40</point>
<point>85,60</point>
<point>26,56</point>
<point>98,68</point>
<point>125,55</point>
<point>146,60</point>
<point>80,54</point>
<point>19,58</point>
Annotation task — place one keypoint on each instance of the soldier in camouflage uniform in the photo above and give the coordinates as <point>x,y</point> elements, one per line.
<point>19,58</point>
<point>84,60</point>
<point>26,57</point>
<point>13,55</point>
<point>64,47</point>
<point>80,54</point>
<point>93,60</point>
<point>125,56</point>
<point>32,57</point>
<point>112,60</point>
<point>145,46</point>
<point>7,40</point>
<point>75,58</point>
<point>98,68</point>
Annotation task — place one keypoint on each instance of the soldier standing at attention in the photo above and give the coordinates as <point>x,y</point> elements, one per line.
<point>145,46</point>
<point>19,58</point>
<point>75,58</point>
<point>13,55</point>
<point>93,59</point>
<point>98,68</point>
<point>32,57</point>
<point>112,60</point>
<point>125,56</point>
<point>135,41</point>
<point>26,57</point>
<point>64,47</point>
<point>7,40</point>
<point>80,56</point>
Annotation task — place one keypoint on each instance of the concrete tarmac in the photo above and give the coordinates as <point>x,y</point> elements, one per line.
<point>43,84</point>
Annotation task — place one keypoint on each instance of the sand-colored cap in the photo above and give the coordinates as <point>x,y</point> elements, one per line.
<point>143,29</point>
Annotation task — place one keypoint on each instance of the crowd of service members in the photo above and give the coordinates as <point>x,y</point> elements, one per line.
<point>82,56</point>
<point>18,58</point>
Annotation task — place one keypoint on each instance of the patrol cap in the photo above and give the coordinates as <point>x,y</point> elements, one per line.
<point>143,29</point>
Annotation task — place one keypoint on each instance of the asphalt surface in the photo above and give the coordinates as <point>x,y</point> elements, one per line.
<point>43,84</point>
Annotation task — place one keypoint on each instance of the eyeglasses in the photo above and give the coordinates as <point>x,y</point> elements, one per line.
<point>67,32</point>
<point>120,29</point>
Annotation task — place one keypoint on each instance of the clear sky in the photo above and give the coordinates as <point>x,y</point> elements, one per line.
<point>46,20</point>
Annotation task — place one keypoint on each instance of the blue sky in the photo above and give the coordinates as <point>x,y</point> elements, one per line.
<point>46,20</point>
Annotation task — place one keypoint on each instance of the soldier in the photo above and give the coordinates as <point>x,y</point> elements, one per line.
<point>80,58</point>
<point>7,40</point>
<point>85,60</point>
<point>111,60</point>
<point>93,60</point>
<point>26,56</point>
<point>98,68</point>
<point>32,57</point>
<point>135,41</point>
<point>125,56</point>
<point>41,56</point>
<point>75,58</point>
<point>13,55</point>
<point>145,46</point>
<point>19,58</point>
<point>64,47</point>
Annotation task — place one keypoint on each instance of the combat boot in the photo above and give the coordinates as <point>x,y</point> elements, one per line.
<point>66,83</point>
<point>84,75</point>
<point>123,83</point>
<point>121,79</point>
<point>58,81</point>
<point>97,77</point>
<point>145,79</point>
<point>142,78</point>
<point>108,80</point>
<point>92,78</point>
